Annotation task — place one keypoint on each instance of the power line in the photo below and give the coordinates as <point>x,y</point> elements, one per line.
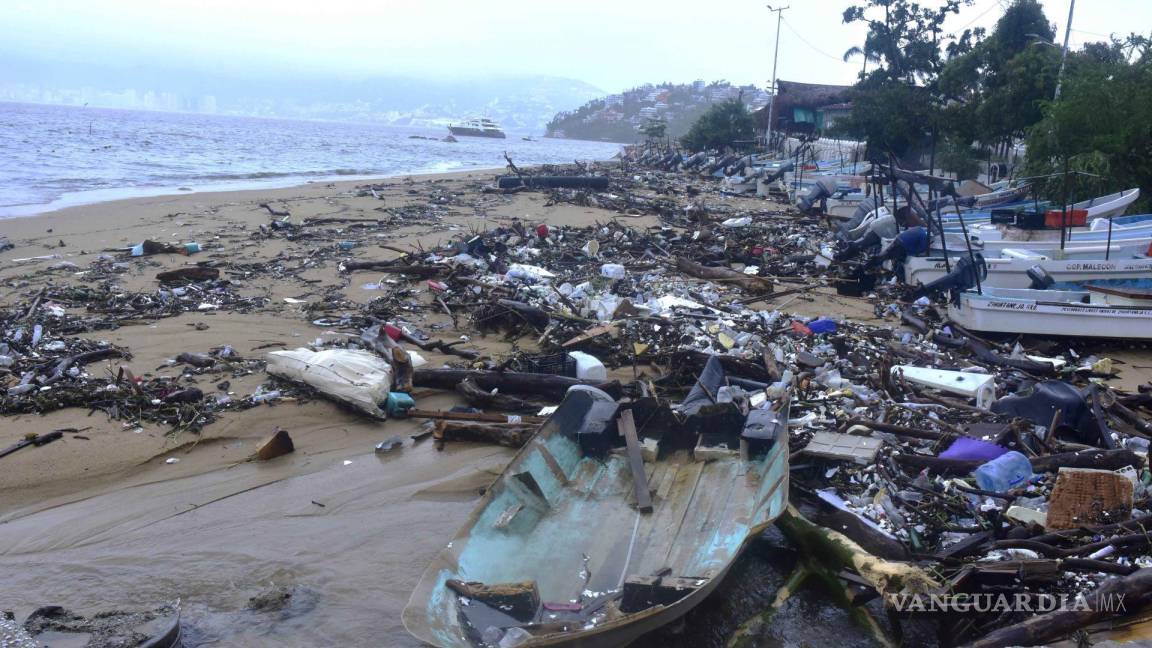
<point>994,5</point>
<point>805,41</point>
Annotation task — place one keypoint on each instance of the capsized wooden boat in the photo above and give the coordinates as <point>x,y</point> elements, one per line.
<point>562,549</point>
<point>1082,313</point>
<point>1012,271</point>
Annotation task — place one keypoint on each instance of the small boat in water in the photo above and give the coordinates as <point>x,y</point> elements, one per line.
<point>614,520</point>
<point>477,128</point>
<point>1095,311</point>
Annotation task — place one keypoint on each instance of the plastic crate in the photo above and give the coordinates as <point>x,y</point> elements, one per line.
<point>1053,218</point>
<point>556,364</point>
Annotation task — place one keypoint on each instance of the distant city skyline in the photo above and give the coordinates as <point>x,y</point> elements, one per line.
<point>127,98</point>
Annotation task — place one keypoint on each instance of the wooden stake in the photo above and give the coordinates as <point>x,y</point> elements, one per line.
<point>639,478</point>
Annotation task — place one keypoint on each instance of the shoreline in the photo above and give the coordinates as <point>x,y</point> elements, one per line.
<point>101,196</point>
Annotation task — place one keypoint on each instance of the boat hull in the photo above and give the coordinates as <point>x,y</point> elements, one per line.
<point>584,537</point>
<point>476,132</point>
<point>1048,312</point>
<point>1013,273</point>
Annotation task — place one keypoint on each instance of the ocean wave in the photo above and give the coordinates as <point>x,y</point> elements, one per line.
<point>271,175</point>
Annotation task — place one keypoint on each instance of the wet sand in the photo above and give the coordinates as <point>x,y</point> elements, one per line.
<point>105,522</point>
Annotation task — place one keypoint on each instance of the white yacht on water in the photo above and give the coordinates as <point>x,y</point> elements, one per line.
<point>477,128</point>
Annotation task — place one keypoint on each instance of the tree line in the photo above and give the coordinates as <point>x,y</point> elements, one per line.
<point>954,102</point>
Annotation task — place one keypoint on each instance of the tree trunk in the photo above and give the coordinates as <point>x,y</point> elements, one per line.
<point>751,283</point>
<point>509,382</point>
<point>1135,589</point>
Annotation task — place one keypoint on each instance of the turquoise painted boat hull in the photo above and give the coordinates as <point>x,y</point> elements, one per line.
<point>576,533</point>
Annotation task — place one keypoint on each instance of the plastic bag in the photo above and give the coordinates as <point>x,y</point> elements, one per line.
<point>358,378</point>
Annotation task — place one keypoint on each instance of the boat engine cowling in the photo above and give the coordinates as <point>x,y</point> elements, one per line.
<point>819,192</point>
<point>963,276</point>
<point>1041,280</point>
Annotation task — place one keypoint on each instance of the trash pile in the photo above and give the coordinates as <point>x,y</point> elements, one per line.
<point>985,468</point>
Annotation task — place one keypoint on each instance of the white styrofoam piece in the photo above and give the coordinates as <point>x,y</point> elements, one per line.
<point>982,387</point>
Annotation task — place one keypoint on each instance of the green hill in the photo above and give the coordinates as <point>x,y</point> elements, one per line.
<point>615,118</point>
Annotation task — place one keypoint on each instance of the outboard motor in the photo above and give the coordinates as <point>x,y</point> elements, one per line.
<point>855,280</point>
<point>1041,280</point>
<point>962,277</point>
<point>779,173</point>
<point>819,192</point>
<point>866,206</point>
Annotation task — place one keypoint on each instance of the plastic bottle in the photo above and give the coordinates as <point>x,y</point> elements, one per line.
<point>398,403</point>
<point>261,396</point>
<point>1004,473</point>
<point>613,271</point>
<point>588,367</point>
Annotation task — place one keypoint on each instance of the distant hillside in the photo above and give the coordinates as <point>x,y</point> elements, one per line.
<point>615,118</point>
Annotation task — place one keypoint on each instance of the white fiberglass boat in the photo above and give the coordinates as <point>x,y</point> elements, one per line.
<point>1011,270</point>
<point>1093,312</point>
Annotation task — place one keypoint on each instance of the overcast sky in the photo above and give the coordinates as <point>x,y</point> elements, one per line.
<point>612,44</point>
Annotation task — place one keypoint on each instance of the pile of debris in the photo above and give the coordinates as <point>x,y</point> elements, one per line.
<point>985,468</point>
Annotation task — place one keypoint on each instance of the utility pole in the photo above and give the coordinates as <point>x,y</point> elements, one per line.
<point>1064,55</point>
<point>775,58</point>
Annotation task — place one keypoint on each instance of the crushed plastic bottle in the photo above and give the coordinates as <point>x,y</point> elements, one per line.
<point>738,222</point>
<point>1009,470</point>
<point>613,271</point>
<point>261,396</point>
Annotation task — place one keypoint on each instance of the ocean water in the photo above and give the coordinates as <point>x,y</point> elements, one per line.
<point>56,156</point>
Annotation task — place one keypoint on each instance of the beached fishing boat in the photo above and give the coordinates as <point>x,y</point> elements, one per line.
<point>1048,241</point>
<point>477,128</point>
<point>1083,313</point>
<point>1098,209</point>
<point>1000,197</point>
<point>1097,229</point>
<point>1011,270</point>
<point>598,533</point>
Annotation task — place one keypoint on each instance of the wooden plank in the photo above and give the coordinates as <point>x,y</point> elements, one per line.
<point>473,416</point>
<point>636,461</point>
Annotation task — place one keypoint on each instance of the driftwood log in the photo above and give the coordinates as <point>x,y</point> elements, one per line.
<point>826,554</point>
<point>81,359</point>
<point>421,271</point>
<point>485,399</point>
<point>1135,590</point>
<point>537,317</point>
<point>509,435</point>
<point>733,366</point>
<point>1099,459</point>
<point>758,285</point>
<point>512,382</point>
<point>900,430</point>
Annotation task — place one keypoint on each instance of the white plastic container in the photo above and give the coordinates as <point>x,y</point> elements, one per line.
<point>613,271</point>
<point>982,387</point>
<point>588,367</point>
<point>529,273</point>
